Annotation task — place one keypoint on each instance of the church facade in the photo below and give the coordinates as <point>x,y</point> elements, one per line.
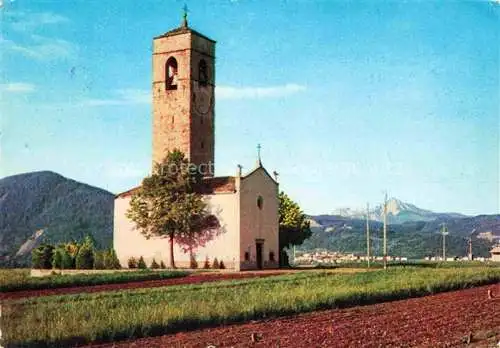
<point>245,205</point>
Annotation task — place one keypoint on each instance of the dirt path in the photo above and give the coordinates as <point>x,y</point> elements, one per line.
<point>443,320</point>
<point>190,279</point>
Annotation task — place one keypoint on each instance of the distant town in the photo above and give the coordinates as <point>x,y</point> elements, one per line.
<point>326,257</point>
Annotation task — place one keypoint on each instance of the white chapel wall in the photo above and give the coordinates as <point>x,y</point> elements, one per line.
<point>129,242</point>
<point>259,223</point>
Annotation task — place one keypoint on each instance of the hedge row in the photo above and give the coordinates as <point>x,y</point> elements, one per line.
<point>74,255</point>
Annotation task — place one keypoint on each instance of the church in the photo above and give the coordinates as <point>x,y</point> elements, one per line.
<point>245,204</point>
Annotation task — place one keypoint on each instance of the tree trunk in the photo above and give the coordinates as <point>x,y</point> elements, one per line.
<point>172,262</point>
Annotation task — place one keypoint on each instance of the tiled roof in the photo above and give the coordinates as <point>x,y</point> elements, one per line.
<point>183,30</point>
<point>220,184</point>
<point>495,249</point>
<point>127,193</point>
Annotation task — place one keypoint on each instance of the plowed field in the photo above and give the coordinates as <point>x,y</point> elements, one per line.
<point>444,320</point>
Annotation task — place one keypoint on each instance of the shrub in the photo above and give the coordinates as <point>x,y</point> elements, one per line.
<point>162,265</point>
<point>215,264</point>
<point>132,262</point>
<point>192,261</point>
<point>57,258</point>
<point>142,264</point>
<point>41,257</point>
<point>111,260</point>
<point>68,261</point>
<point>99,257</point>
<point>154,264</point>
<point>221,265</point>
<point>85,257</point>
<point>72,249</point>
<point>206,265</point>
<point>62,259</point>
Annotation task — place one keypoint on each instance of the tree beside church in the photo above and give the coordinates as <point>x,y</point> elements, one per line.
<point>294,227</point>
<point>167,205</point>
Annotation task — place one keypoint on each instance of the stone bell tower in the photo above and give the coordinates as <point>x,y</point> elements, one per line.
<point>183,96</point>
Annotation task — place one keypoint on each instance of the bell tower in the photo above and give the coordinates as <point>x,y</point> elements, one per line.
<point>183,96</point>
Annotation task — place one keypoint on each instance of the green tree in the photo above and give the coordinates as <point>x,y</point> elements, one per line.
<point>142,264</point>
<point>215,264</point>
<point>293,226</point>
<point>132,262</point>
<point>41,257</point>
<point>167,204</point>
<point>57,257</point>
<point>111,260</point>
<point>99,259</point>
<point>67,261</point>
<point>154,264</point>
<point>206,265</point>
<point>85,257</point>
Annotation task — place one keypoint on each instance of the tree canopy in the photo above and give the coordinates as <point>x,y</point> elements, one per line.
<point>167,204</point>
<point>293,225</point>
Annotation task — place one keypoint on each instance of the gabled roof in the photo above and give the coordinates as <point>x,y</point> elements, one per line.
<point>183,30</point>
<point>495,250</point>
<point>220,184</point>
<point>260,166</point>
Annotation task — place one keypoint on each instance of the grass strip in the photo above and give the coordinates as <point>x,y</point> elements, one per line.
<point>69,320</point>
<point>18,282</point>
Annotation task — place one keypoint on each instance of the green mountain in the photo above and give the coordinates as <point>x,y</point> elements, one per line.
<point>47,207</point>
<point>412,239</point>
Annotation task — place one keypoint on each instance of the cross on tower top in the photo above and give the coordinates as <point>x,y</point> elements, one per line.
<point>185,16</point>
<point>259,162</point>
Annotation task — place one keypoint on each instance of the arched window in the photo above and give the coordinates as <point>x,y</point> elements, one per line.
<point>260,202</point>
<point>171,73</point>
<point>203,73</point>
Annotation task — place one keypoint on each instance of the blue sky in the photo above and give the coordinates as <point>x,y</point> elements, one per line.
<point>348,99</point>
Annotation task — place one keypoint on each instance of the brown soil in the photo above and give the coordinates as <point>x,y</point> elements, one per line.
<point>444,320</point>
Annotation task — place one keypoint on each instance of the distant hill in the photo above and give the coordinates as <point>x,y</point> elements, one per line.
<point>45,206</point>
<point>397,212</point>
<point>413,239</point>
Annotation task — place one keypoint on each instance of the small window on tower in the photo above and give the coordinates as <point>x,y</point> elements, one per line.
<point>202,145</point>
<point>171,74</point>
<point>203,73</point>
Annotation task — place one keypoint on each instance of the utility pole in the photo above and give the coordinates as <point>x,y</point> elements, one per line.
<point>385,231</point>
<point>470,244</point>
<point>368,234</point>
<point>470,248</point>
<point>444,232</point>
